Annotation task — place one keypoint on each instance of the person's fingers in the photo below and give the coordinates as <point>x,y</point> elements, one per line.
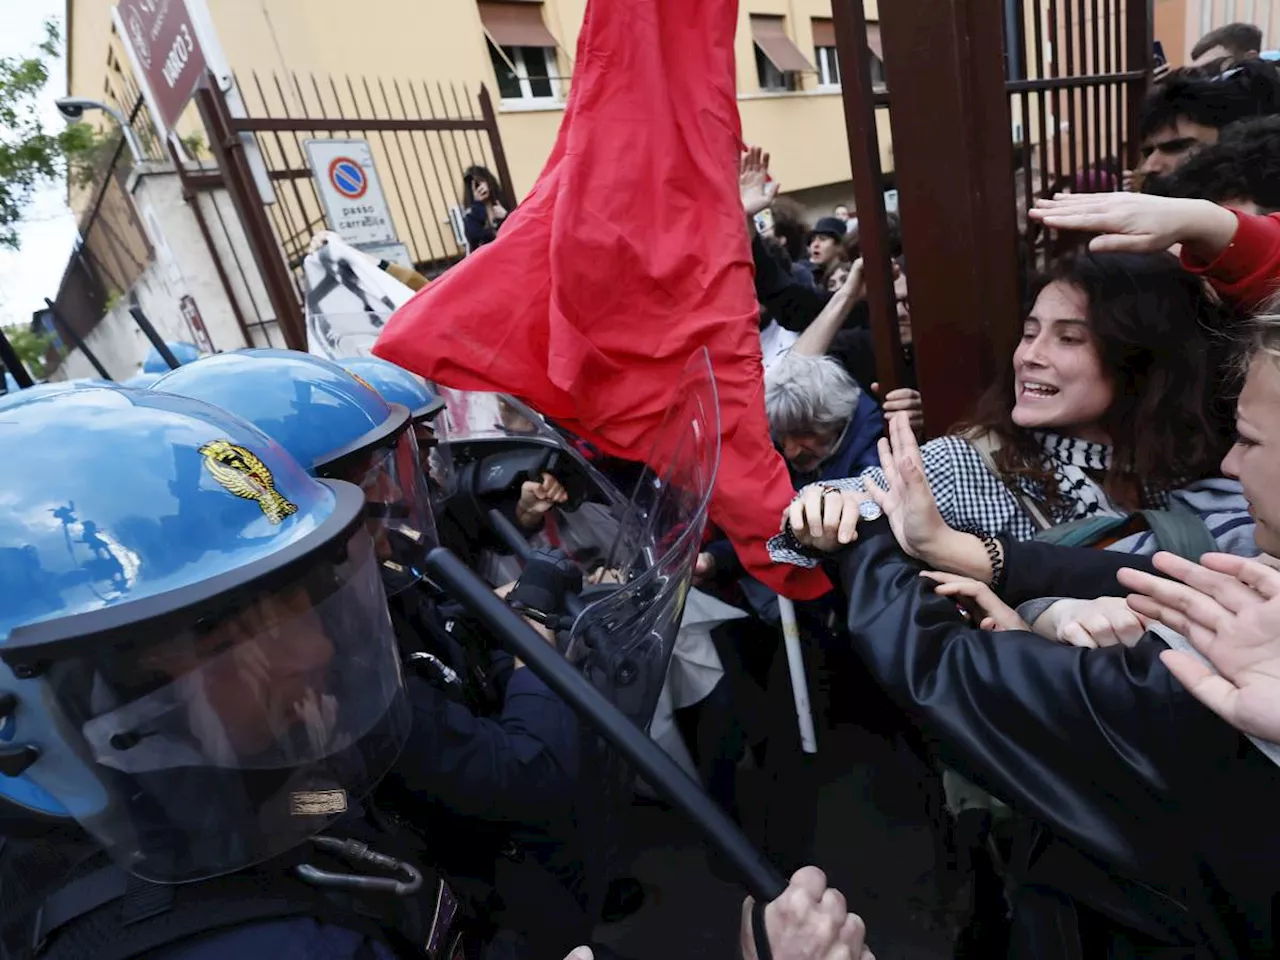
<point>1126,626</point>
<point>853,933</point>
<point>940,576</point>
<point>834,905</point>
<point>1193,605</point>
<point>887,465</point>
<point>1226,591</point>
<point>811,880</point>
<point>1096,624</point>
<point>1154,610</point>
<point>878,494</point>
<point>875,388</point>
<point>1223,587</point>
<point>795,514</point>
<point>813,509</point>
<point>764,160</point>
<point>1071,632</point>
<point>1257,576</point>
<point>832,508</point>
<point>847,532</point>
<point>1214,691</point>
<point>989,623</point>
<point>581,953</point>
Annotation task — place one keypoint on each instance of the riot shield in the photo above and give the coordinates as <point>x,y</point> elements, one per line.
<point>623,641</point>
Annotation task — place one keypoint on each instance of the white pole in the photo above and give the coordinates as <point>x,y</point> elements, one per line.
<point>799,685</point>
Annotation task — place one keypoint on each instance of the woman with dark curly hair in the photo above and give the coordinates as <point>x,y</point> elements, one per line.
<point>482,201</point>
<point>1106,410</point>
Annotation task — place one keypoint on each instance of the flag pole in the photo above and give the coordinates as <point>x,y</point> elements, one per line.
<point>799,683</point>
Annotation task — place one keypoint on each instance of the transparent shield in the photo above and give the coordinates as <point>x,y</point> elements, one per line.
<point>623,641</point>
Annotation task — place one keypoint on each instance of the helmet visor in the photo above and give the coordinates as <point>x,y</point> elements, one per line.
<point>243,734</point>
<point>397,509</point>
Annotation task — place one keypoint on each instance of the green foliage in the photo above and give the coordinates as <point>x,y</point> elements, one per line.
<point>28,152</point>
<point>194,145</point>
<point>31,348</point>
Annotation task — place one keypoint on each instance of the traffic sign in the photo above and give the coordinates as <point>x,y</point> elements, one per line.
<point>348,185</point>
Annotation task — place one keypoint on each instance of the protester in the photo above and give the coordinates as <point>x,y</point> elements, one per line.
<point>1150,827</point>
<point>482,198</point>
<point>1238,253</point>
<point>826,252</point>
<point>1240,171</point>
<point>1226,46</point>
<point>1189,111</point>
<point>1106,409</point>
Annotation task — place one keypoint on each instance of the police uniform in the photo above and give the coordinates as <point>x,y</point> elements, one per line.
<point>199,689</point>
<point>489,771</point>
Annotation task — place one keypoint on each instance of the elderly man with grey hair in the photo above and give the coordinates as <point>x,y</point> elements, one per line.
<point>825,425</point>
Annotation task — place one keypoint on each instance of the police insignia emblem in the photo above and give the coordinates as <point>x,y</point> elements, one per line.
<point>241,473</point>
<point>362,381</point>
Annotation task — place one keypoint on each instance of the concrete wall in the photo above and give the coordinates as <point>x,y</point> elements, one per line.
<point>182,267</point>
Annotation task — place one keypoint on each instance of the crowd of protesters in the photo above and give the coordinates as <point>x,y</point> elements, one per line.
<point>1128,447</point>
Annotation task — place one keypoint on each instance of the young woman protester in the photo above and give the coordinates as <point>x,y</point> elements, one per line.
<point>482,200</point>
<point>1149,825</point>
<point>1105,421</point>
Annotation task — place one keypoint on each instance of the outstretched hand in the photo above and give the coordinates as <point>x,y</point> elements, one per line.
<point>1139,223</point>
<point>1229,609</point>
<point>908,503</point>
<point>810,921</point>
<point>988,610</point>
<point>757,190</point>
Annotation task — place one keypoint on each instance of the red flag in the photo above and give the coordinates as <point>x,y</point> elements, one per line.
<point>629,254</point>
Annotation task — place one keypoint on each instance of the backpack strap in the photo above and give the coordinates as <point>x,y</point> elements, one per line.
<point>987,444</point>
<point>1181,531</point>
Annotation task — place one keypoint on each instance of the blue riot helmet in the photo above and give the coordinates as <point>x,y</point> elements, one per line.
<point>53,387</point>
<point>394,384</point>
<point>183,352</point>
<point>196,660</point>
<point>142,381</point>
<point>336,426</point>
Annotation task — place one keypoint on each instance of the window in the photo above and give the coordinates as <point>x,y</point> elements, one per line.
<point>522,50</point>
<point>824,50</point>
<point>828,67</point>
<point>526,73</point>
<point>778,62</point>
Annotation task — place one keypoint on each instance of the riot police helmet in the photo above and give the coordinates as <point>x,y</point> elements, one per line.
<point>337,426</point>
<point>197,664</point>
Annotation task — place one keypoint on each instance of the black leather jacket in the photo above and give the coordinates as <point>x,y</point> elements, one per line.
<point>1158,825</point>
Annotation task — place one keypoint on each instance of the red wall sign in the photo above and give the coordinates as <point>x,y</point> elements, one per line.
<point>167,51</point>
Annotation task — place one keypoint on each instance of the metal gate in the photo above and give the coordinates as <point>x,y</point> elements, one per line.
<point>991,104</point>
<point>422,138</point>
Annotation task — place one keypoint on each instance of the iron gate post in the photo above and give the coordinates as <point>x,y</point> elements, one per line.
<point>953,154</point>
<point>868,189</point>
<point>238,177</point>
<point>495,144</point>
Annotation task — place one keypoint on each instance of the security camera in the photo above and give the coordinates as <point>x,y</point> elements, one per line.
<point>73,107</point>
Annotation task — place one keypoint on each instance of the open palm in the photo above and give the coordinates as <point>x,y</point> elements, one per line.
<point>908,503</point>
<point>1229,609</point>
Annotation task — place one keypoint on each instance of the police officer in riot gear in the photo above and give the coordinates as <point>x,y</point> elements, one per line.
<point>491,779</point>
<point>199,688</point>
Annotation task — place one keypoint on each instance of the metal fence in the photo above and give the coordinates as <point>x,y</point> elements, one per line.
<point>422,136</point>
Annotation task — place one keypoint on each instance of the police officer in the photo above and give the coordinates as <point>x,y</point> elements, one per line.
<point>199,688</point>
<point>492,785</point>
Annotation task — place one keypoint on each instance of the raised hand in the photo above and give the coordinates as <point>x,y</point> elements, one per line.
<point>536,498</point>
<point>908,503</point>
<point>1229,609</point>
<point>754,185</point>
<point>1138,223</point>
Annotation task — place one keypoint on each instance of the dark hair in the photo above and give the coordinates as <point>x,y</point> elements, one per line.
<point>1237,38</point>
<point>790,228</point>
<point>1243,165</point>
<point>470,176</point>
<point>1251,89</point>
<point>1150,321</point>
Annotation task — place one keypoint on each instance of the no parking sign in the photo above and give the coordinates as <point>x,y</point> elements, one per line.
<point>347,182</point>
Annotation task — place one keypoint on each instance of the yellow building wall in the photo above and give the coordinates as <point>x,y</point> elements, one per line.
<point>443,40</point>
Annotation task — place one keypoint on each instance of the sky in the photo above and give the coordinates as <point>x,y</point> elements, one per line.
<point>48,231</point>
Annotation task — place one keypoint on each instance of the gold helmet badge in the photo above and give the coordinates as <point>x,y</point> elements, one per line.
<point>241,473</point>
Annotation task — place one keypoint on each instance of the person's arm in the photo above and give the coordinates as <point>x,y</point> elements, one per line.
<point>1088,742</point>
<point>518,767</point>
<point>1246,271</point>
<point>818,336</point>
<point>475,223</point>
<point>793,304</point>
